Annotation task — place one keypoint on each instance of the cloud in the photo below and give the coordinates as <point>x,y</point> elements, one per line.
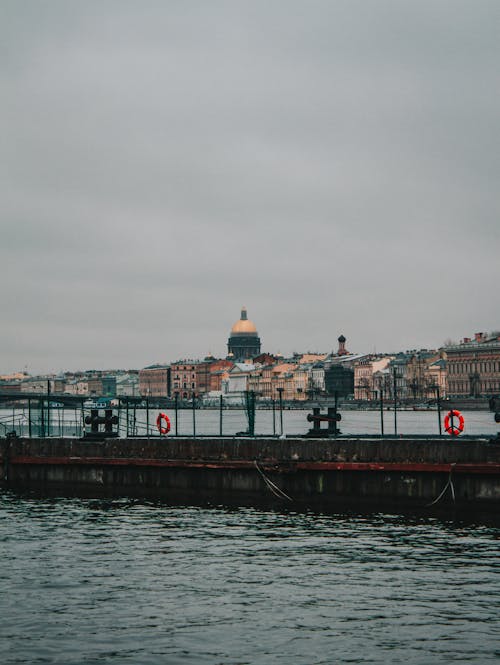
<point>333,166</point>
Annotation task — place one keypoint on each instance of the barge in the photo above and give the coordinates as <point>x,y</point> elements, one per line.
<point>302,473</point>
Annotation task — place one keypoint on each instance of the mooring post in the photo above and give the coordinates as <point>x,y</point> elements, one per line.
<point>29,418</point>
<point>147,417</point>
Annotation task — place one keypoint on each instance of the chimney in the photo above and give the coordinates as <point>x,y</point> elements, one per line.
<point>478,337</point>
<point>466,340</point>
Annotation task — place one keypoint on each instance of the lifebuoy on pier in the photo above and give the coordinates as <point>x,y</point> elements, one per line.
<point>454,430</point>
<point>163,429</point>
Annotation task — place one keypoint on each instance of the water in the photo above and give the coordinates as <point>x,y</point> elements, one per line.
<point>207,422</point>
<point>118,581</point>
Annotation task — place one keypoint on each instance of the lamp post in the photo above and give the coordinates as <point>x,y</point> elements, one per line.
<point>280,394</point>
<point>438,402</point>
<point>395,391</point>
<point>194,413</point>
<point>176,412</point>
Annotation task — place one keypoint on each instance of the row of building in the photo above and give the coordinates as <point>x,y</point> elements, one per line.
<point>470,368</point>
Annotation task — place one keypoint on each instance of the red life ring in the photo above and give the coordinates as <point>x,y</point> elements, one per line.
<point>456,429</point>
<point>166,429</point>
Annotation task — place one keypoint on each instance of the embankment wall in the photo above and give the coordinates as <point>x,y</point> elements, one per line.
<point>246,470</point>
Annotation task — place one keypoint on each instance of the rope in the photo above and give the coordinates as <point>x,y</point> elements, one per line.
<point>274,488</point>
<point>448,484</point>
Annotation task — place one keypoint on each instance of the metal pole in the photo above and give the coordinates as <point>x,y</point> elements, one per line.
<point>336,404</point>
<point>274,417</point>
<point>280,393</point>
<point>48,407</point>
<point>395,402</point>
<point>42,418</point>
<point>126,413</point>
<point>29,418</point>
<point>220,415</point>
<point>194,415</point>
<point>147,417</point>
<point>438,398</point>
<point>381,410</point>
<point>176,412</point>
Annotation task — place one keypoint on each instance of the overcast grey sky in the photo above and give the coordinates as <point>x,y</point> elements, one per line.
<point>334,166</point>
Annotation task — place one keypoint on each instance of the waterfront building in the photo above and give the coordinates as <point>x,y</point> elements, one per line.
<point>238,382</point>
<point>365,369</point>
<point>127,385</point>
<point>437,373</point>
<point>76,387</point>
<point>209,374</point>
<point>473,366</point>
<point>154,381</point>
<point>184,378</point>
<point>59,384</point>
<point>244,341</point>
<point>282,380</point>
<point>10,386</point>
<point>301,375</point>
<point>35,384</point>
<point>265,359</point>
<point>339,379</point>
<point>307,358</point>
<point>419,377</point>
<point>414,375</point>
<point>95,385</point>
<point>317,379</point>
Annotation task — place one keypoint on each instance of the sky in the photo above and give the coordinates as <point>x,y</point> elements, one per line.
<point>334,166</point>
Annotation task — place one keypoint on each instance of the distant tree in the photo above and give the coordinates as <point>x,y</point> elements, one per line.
<point>449,342</point>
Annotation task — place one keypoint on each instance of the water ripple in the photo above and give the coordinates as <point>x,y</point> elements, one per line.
<point>121,581</point>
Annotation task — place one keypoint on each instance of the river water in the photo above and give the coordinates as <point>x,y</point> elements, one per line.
<point>68,422</point>
<point>87,581</point>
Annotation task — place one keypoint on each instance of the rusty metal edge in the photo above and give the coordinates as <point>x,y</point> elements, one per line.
<point>271,465</point>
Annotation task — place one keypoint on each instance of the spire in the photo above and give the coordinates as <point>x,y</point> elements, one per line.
<point>243,313</point>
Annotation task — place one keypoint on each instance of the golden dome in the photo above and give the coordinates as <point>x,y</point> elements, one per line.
<point>243,326</point>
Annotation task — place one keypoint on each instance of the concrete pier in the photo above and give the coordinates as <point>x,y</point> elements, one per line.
<point>299,472</point>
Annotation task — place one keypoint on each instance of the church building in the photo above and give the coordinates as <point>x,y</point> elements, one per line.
<point>244,341</point>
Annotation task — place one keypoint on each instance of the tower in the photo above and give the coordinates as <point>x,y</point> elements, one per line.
<point>342,350</point>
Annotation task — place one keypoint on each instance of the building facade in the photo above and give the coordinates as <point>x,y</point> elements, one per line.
<point>473,367</point>
<point>154,381</point>
<point>184,379</point>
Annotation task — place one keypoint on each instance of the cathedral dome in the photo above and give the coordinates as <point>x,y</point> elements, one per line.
<point>244,341</point>
<point>244,326</point>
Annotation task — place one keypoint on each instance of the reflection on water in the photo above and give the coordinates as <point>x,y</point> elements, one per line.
<point>122,581</point>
